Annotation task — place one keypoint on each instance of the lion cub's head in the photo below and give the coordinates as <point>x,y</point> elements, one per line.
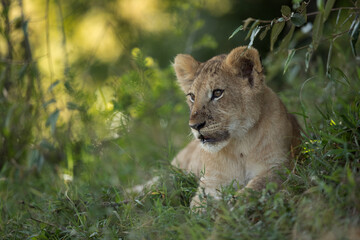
<point>224,95</point>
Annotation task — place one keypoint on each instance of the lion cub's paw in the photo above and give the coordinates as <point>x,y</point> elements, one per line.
<point>198,205</point>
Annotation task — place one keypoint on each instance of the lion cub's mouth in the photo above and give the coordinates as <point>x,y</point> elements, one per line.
<point>207,140</point>
<point>213,140</point>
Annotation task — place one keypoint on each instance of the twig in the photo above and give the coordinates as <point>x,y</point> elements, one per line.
<point>308,14</point>
<point>334,9</point>
<point>334,36</point>
<point>47,223</point>
<point>11,61</point>
<point>30,205</point>
<point>115,204</point>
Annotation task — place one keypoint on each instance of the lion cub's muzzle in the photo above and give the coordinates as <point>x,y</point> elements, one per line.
<point>209,134</point>
<point>198,126</point>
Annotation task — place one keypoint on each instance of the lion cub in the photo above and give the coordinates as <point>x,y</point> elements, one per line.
<point>242,130</point>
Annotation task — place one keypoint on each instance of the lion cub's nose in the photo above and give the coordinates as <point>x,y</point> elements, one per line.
<point>197,126</point>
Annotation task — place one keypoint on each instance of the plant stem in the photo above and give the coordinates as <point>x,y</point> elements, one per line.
<point>6,83</point>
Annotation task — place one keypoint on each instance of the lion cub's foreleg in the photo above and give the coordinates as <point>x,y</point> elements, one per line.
<point>211,183</point>
<point>259,182</point>
<point>207,187</point>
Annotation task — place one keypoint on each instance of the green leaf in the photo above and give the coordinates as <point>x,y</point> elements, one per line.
<point>241,27</point>
<point>333,138</point>
<point>285,11</point>
<point>302,8</point>
<point>9,120</point>
<point>320,5</point>
<point>329,5</point>
<point>46,145</point>
<point>338,17</point>
<point>329,59</point>
<point>308,57</point>
<point>348,122</point>
<point>298,19</point>
<point>253,26</point>
<point>36,159</point>
<point>286,41</point>
<point>72,106</point>
<point>291,54</point>
<point>51,121</point>
<point>317,30</point>
<point>53,85</point>
<point>23,71</point>
<point>253,35</point>
<point>68,87</point>
<point>343,75</point>
<point>49,102</point>
<point>275,31</point>
<point>321,112</point>
<point>354,35</point>
<point>263,34</point>
<point>138,202</point>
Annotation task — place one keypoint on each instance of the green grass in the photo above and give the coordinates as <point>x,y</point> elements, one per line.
<point>320,197</point>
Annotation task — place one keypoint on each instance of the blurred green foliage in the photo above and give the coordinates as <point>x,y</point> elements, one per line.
<point>89,106</point>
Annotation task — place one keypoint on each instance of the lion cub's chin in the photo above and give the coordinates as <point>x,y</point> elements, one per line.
<point>210,145</point>
<point>214,147</point>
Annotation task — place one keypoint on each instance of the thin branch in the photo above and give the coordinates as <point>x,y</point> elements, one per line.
<point>334,36</point>
<point>308,14</point>
<point>334,9</point>
<point>115,204</point>
<point>10,61</point>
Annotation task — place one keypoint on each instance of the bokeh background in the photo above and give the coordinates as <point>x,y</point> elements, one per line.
<point>97,75</point>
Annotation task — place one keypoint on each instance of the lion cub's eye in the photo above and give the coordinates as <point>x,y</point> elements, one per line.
<point>217,93</point>
<point>191,97</point>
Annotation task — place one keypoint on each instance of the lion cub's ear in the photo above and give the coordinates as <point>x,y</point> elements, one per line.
<point>185,68</point>
<point>245,62</point>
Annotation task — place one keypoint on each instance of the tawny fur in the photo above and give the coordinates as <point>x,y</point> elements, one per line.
<point>251,132</point>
